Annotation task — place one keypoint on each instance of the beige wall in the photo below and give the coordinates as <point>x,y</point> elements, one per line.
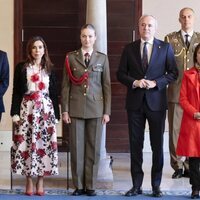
<point>167,13</point>
<point>6,44</point>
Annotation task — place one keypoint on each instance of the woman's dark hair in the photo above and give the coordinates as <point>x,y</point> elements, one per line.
<point>45,61</point>
<point>195,53</point>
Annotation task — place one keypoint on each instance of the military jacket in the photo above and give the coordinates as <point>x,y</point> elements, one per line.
<point>184,60</point>
<point>91,98</point>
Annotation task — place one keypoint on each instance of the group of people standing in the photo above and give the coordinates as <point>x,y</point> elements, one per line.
<point>159,75</point>
<point>85,105</point>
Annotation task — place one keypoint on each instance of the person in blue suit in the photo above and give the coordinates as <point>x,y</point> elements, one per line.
<point>4,78</point>
<point>146,67</point>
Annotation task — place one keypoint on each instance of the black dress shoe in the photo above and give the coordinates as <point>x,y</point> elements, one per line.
<point>186,173</point>
<point>133,192</point>
<point>91,192</point>
<point>195,194</point>
<point>78,192</point>
<point>177,174</point>
<point>157,192</point>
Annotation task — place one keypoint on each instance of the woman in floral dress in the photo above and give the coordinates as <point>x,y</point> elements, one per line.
<point>34,112</point>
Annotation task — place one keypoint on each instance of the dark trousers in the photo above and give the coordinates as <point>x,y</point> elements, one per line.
<point>136,121</point>
<point>194,166</point>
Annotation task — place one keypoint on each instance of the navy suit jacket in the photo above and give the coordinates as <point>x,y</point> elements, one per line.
<point>162,68</point>
<point>4,78</point>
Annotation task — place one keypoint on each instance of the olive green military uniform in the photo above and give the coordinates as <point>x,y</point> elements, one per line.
<point>184,60</point>
<point>86,103</point>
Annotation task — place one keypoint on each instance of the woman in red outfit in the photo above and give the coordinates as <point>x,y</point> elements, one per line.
<point>189,137</point>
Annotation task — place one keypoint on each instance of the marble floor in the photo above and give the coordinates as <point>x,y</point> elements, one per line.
<point>122,178</point>
<point>121,175</point>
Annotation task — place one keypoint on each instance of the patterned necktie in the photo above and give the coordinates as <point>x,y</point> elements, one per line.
<point>187,41</point>
<point>145,57</point>
<point>87,59</point>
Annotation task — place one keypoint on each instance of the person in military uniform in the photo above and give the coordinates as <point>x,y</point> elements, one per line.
<point>183,42</point>
<point>86,106</point>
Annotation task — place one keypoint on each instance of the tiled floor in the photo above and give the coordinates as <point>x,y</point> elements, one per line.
<point>121,174</point>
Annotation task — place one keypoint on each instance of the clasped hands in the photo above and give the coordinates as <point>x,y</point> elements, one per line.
<point>197,115</point>
<point>144,83</point>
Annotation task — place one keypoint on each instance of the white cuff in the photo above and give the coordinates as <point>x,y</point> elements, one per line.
<point>15,118</point>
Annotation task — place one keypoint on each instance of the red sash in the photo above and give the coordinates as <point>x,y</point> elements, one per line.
<point>73,79</point>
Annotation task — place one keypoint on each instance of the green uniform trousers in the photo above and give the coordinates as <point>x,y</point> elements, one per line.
<point>85,146</point>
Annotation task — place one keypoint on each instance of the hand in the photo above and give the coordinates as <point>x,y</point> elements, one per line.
<point>150,84</point>
<point>66,118</point>
<point>140,83</point>
<point>143,83</point>
<point>197,115</point>
<point>16,123</point>
<point>106,119</point>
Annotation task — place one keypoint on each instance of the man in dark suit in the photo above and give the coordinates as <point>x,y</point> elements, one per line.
<point>146,67</point>
<point>4,79</point>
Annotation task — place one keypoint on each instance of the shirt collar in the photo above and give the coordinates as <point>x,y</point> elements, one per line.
<point>149,41</point>
<point>83,52</point>
<point>183,33</point>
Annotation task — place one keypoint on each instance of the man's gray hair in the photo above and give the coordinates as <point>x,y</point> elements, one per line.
<point>146,15</point>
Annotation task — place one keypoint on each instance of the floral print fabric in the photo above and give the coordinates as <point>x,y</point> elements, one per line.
<point>34,150</point>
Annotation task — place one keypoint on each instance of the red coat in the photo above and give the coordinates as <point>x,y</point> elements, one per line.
<point>189,137</point>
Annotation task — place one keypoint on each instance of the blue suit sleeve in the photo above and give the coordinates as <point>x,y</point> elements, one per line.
<point>4,74</point>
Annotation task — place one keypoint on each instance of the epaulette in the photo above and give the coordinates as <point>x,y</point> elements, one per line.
<point>172,36</point>
<point>73,52</point>
<point>198,35</point>
<point>101,53</point>
<point>173,33</point>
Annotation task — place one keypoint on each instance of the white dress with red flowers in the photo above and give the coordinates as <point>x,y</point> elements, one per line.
<point>34,151</point>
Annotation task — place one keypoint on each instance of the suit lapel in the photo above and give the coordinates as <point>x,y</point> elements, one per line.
<point>194,41</point>
<point>79,57</point>
<point>192,77</point>
<point>180,39</point>
<point>155,52</point>
<point>137,53</point>
<point>93,58</point>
